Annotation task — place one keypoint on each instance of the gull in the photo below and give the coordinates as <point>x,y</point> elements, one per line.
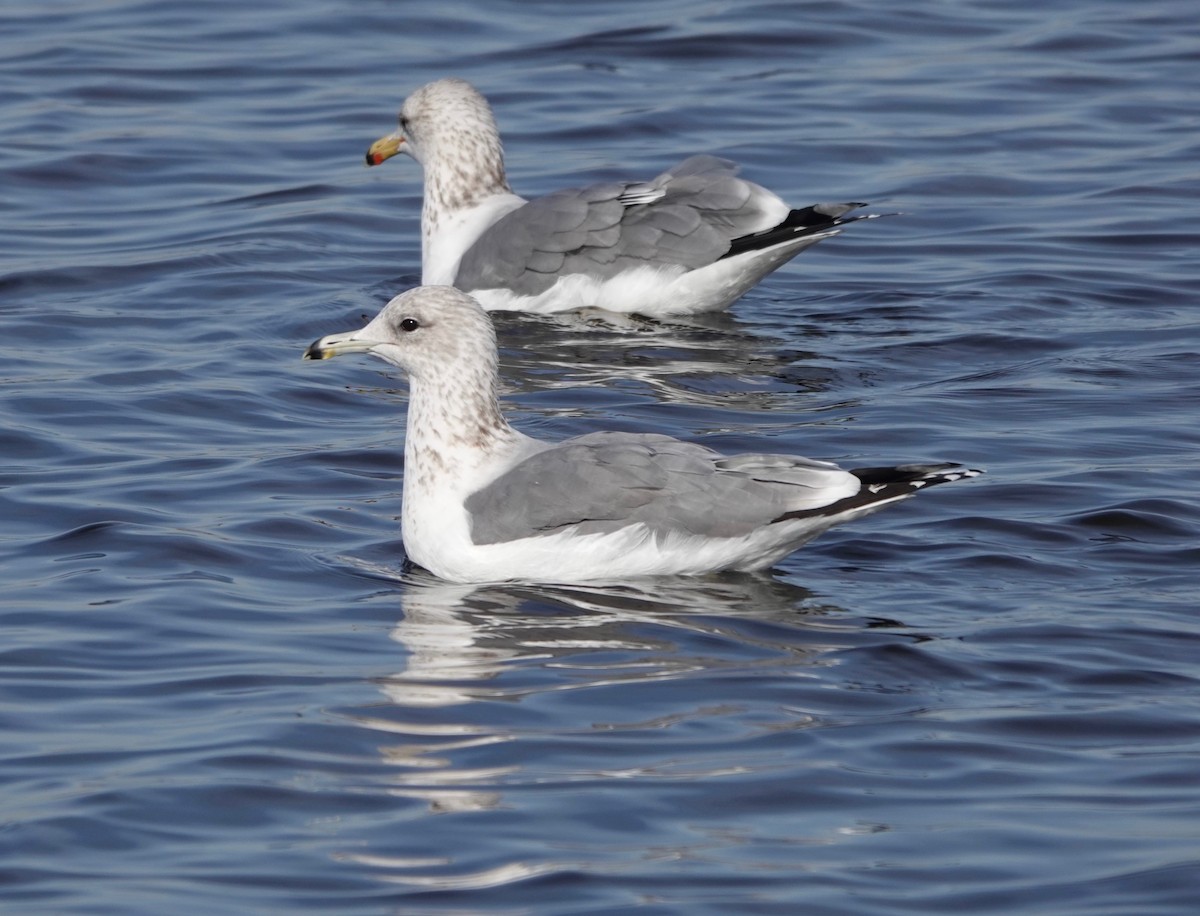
<point>692,240</point>
<point>483,502</point>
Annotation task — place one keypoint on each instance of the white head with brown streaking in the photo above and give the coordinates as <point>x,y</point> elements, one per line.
<point>449,128</point>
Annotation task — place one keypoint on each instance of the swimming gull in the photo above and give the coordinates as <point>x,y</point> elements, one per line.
<point>483,502</point>
<point>692,240</point>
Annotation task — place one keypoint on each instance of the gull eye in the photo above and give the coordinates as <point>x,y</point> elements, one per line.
<point>404,123</point>
<point>409,324</point>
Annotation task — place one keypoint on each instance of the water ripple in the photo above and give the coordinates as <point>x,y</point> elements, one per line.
<point>222,683</point>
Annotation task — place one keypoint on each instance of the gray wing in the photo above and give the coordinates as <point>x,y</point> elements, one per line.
<point>606,481</point>
<point>685,218</point>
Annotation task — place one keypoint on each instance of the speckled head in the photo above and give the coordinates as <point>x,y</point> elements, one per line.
<point>448,127</point>
<point>447,345</point>
<point>427,330</point>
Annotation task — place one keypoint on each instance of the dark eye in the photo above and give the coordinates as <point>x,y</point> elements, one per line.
<point>409,324</point>
<point>403,123</point>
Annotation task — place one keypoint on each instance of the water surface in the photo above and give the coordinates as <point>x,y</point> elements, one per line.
<point>223,692</point>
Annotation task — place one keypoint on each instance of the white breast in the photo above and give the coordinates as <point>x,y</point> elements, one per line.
<point>449,234</point>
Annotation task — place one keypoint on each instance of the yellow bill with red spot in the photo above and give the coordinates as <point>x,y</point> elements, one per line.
<point>384,148</point>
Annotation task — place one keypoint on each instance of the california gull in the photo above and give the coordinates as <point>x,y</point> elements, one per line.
<point>692,240</point>
<point>483,502</point>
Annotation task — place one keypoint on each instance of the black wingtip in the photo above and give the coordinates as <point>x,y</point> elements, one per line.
<point>924,474</point>
<point>885,484</point>
<point>801,223</point>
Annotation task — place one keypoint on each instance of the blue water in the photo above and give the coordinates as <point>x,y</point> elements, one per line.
<point>223,692</point>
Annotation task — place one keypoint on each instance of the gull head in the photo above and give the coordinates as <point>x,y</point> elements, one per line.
<point>446,113</point>
<point>426,331</point>
<point>448,127</point>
